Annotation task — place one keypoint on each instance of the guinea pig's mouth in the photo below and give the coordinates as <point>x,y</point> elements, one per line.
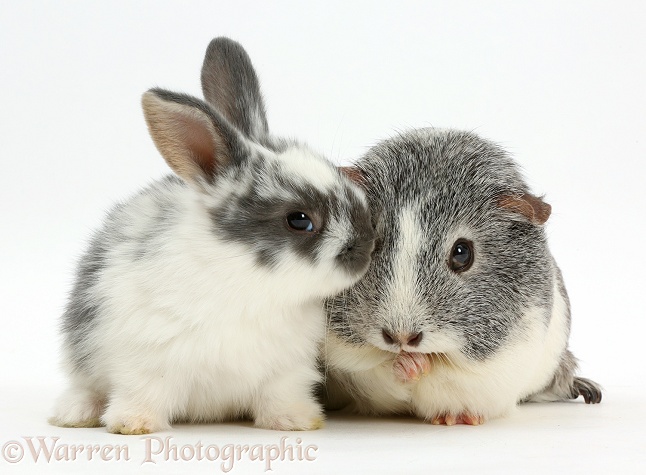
<point>436,357</point>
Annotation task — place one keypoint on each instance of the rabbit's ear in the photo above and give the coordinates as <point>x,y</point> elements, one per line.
<point>532,208</point>
<point>193,139</point>
<point>230,84</point>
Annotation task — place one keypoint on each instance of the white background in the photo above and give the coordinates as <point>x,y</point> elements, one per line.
<point>560,84</point>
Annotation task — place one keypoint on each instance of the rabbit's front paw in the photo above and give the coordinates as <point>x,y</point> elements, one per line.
<point>131,422</point>
<point>78,408</point>
<point>299,416</point>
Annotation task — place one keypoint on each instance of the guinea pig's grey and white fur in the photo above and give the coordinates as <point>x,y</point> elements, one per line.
<point>202,297</point>
<point>463,312</point>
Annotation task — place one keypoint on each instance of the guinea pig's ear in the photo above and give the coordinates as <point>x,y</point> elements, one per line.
<point>534,209</point>
<point>354,174</point>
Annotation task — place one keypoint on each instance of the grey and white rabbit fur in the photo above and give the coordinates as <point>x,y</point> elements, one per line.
<point>463,312</point>
<point>201,297</point>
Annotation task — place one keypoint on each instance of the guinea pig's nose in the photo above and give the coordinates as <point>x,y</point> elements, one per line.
<point>415,339</point>
<point>411,339</point>
<point>387,337</point>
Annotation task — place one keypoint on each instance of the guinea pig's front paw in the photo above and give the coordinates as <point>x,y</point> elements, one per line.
<point>411,366</point>
<point>300,416</point>
<point>463,418</point>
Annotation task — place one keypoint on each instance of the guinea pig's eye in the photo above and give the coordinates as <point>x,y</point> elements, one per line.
<point>461,255</point>
<point>299,221</point>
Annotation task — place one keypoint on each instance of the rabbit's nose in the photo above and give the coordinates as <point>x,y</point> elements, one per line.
<point>410,339</point>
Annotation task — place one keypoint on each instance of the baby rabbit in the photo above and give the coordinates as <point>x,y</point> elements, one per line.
<point>463,312</point>
<point>201,297</point>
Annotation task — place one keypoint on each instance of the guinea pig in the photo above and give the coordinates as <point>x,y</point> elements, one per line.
<point>463,312</point>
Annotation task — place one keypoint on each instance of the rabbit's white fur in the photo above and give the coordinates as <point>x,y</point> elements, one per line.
<point>205,342</point>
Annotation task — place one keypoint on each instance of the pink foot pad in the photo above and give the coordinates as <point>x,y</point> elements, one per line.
<point>411,366</point>
<point>452,419</point>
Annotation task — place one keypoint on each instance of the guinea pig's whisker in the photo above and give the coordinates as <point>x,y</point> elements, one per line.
<point>449,361</point>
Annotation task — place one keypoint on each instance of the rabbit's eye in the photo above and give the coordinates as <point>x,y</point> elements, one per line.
<point>461,255</point>
<point>299,221</point>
